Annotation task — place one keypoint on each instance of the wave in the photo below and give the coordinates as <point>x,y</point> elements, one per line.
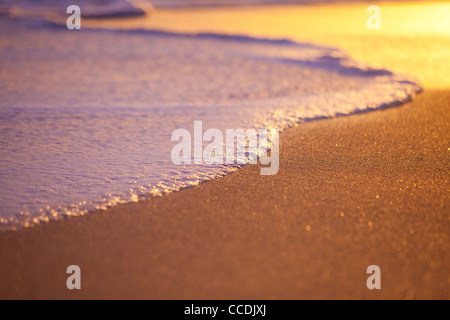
<point>125,8</point>
<point>86,117</point>
<point>50,9</point>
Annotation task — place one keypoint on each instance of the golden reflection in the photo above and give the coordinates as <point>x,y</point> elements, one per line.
<point>414,37</point>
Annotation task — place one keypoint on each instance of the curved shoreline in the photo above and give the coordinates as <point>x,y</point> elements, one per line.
<point>371,188</point>
<point>316,82</point>
<point>352,191</point>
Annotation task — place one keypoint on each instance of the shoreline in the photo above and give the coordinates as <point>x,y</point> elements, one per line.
<point>351,191</point>
<point>30,224</point>
<point>45,214</point>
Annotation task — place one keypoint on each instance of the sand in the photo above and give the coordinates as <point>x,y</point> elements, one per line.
<point>351,192</point>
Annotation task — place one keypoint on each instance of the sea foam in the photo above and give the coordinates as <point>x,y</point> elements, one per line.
<point>86,117</point>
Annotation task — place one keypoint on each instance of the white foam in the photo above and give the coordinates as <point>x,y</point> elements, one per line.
<point>86,117</point>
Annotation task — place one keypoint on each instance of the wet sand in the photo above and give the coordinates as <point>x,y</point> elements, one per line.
<point>351,192</point>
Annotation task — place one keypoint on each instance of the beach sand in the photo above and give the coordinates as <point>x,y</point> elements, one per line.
<point>366,189</point>
<point>351,192</point>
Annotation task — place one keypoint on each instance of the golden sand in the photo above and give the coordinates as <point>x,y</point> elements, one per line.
<point>351,192</point>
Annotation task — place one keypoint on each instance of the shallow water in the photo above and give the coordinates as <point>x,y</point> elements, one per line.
<point>86,116</point>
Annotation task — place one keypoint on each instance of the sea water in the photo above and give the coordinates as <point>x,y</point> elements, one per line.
<point>86,116</point>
